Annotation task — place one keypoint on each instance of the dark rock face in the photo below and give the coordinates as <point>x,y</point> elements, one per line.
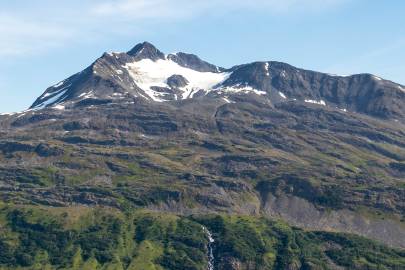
<point>398,166</point>
<point>230,263</point>
<point>177,81</point>
<point>254,75</point>
<point>194,62</point>
<point>44,150</point>
<point>146,50</point>
<point>362,93</point>
<point>11,147</point>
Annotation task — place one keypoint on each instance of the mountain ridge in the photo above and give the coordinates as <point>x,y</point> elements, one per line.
<point>125,73</point>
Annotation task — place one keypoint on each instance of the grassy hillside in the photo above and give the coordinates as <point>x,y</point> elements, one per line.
<point>103,238</point>
<point>131,185</point>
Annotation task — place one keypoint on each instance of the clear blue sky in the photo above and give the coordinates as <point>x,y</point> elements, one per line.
<point>45,41</point>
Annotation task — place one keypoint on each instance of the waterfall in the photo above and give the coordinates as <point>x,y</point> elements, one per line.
<point>210,250</point>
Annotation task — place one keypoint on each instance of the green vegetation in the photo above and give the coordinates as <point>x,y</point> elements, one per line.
<point>103,238</point>
<point>275,245</point>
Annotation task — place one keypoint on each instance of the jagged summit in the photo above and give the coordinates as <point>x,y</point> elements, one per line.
<point>146,73</point>
<point>146,50</point>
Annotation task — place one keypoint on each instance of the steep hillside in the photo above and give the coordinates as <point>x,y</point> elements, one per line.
<point>134,162</point>
<point>85,238</point>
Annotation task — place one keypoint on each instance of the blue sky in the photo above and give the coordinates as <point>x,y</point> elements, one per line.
<point>45,41</point>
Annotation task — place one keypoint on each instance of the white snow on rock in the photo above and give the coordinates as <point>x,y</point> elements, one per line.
<point>53,99</point>
<point>266,67</point>
<point>4,114</point>
<point>147,73</point>
<point>240,88</point>
<point>58,84</point>
<point>20,114</point>
<point>227,100</point>
<point>53,93</point>
<point>400,88</point>
<point>87,94</point>
<point>338,75</point>
<point>320,102</point>
<point>59,107</point>
<point>377,78</point>
<point>188,92</point>
<point>282,95</point>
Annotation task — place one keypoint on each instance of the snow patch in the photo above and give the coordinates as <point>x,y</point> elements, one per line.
<point>118,95</point>
<point>87,95</point>
<point>58,84</point>
<point>282,95</point>
<point>377,78</point>
<point>147,73</point>
<point>266,67</point>
<point>59,107</point>
<point>226,99</point>
<point>54,93</point>
<point>22,113</point>
<point>53,98</point>
<point>337,75</point>
<point>240,88</point>
<point>4,114</point>
<point>320,102</point>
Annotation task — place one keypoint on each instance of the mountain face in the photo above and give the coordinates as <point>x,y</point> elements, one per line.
<point>146,73</point>
<point>152,161</point>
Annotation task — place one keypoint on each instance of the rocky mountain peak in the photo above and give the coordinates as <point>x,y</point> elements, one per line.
<point>146,50</point>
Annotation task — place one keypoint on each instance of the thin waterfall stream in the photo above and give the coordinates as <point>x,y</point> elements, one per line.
<point>210,249</point>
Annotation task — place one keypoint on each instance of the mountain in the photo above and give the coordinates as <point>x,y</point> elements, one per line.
<point>152,161</point>
<point>146,73</point>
